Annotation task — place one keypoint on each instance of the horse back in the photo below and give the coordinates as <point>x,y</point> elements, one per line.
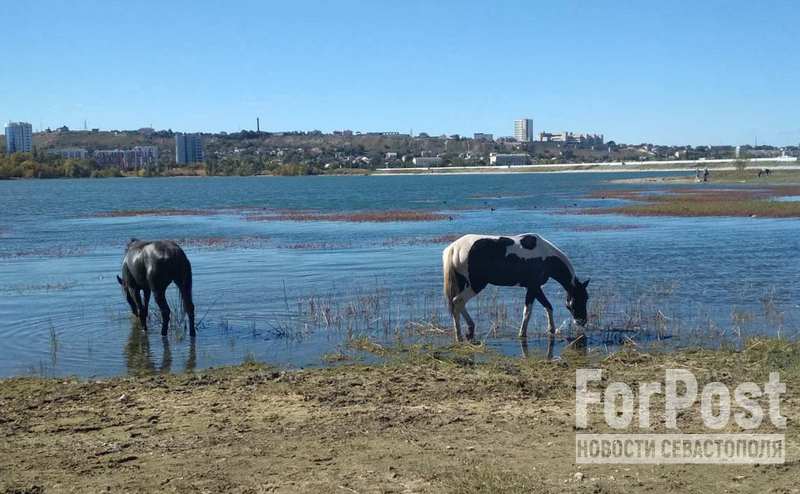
<point>158,262</point>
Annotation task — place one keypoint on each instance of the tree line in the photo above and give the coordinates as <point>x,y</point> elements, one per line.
<point>30,165</point>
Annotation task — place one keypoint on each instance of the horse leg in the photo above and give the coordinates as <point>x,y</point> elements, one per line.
<point>145,310</point>
<point>458,309</point>
<point>551,327</point>
<point>455,312</point>
<point>470,324</point>
<point>161,300</point>
<point>137,301</point>
<point>526,314</point>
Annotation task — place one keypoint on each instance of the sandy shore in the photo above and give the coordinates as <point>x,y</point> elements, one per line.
<point>424,422</point>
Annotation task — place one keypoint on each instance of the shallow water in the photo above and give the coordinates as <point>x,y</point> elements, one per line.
<point>290,292</point>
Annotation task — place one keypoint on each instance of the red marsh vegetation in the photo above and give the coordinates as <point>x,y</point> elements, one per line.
<point>317,246</point>
<point>154,212</point>
<point>439,239</point>
<point>355,217</point>
<point>699,202</point>
<point>604,228</point>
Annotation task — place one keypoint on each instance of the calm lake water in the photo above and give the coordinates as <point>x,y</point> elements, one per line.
<point>293,293</point>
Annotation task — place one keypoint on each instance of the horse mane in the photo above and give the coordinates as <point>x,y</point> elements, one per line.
<point>566,260</point>
<point>131,241</point>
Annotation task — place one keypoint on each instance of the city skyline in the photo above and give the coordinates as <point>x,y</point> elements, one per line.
<point>719,73</point>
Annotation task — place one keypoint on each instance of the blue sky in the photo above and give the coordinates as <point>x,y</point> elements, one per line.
<point>669,72</point>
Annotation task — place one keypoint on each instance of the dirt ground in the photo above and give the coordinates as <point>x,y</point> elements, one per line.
<point>425,421</point>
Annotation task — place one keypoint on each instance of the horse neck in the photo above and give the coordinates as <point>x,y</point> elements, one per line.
<point>563,275</point>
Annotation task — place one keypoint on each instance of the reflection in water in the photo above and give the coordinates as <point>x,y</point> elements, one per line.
<point>191,358</point>
<point>579,344</point>
<point>523,345</point>
<point>139,357</point>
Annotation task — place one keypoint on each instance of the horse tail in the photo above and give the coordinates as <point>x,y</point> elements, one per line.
<point>187,280</point>
<point>186,295</point>
<point>451,288</point>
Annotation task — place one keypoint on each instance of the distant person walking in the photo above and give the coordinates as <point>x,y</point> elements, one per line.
<point>705,175</point>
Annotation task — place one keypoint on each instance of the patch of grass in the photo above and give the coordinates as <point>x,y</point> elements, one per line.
<point>774,355</point>
<point>490,479</point>
<point>250,359</point>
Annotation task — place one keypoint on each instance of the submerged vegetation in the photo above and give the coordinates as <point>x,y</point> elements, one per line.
<point>355,217</point>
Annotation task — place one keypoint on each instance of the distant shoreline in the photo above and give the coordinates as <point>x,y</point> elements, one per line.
<point>637,168</point>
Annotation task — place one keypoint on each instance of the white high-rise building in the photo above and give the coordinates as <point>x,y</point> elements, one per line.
<point>19,137</point>
<point>523,130</point>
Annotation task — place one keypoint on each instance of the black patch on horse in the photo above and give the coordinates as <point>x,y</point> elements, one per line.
<point>462,282</point>
<point>489,264</point>
<point>528,242</point>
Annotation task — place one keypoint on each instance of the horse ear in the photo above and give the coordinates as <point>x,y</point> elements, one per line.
<point>119,280</point>
<point>586,283</point>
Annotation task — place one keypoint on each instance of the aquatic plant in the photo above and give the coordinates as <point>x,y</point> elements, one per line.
<point>354,217</point>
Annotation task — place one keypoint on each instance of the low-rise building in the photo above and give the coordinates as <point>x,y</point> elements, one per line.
<point>515,159</point>
<point>480,136</point>
<point>572,138</point>
<point>70,153</point>
<point>128,159</point>
<point>428,161</point>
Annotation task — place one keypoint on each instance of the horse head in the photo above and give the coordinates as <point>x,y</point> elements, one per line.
<point>576,301</point>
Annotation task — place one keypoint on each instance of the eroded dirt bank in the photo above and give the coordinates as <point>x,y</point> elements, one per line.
<point>424,422</point>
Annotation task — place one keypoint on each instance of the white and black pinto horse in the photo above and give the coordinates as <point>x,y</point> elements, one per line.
<point>474,261</point>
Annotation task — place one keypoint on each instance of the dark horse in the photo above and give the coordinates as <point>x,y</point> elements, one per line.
<point>151,267</point>
<point>474,261</point>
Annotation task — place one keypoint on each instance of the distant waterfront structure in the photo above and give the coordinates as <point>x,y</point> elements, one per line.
<point>516,159</point>
<point>572,138</point>
<point>19,137</point>
<point>70,153</point>
<point>523,130</point>
<point>128,159</point>
<point>188,148</point>
<point>480,136</point>
<point>427,161</point>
